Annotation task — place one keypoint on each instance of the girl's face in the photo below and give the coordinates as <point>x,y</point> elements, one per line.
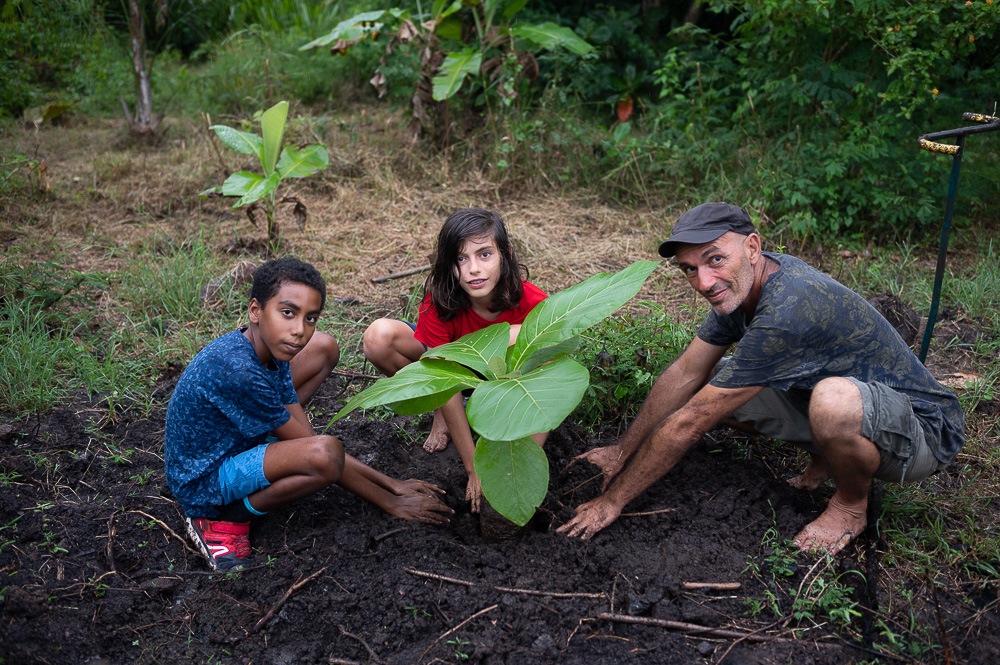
<point>478,269</point>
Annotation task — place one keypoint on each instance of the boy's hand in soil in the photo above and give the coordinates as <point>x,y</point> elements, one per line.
<point>609,459</point>
<point>591,517</point>
<point>474,492</point>
<point>412,486</point>
<point>419,506</point>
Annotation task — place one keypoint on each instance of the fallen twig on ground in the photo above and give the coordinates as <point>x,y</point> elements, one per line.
<point>718,586</point>
<point>168,530</point>
<point>271,612</point>
<point>690,628</point>
<point>401,273</point>
<point>456,628</point>
<point>440,578</point>
<point>371,652</point>
<point>649,512</point>
<point>504,589</point>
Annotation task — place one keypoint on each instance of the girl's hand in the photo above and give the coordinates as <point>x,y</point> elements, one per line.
<point>414,487</point>
<point>474,492</point>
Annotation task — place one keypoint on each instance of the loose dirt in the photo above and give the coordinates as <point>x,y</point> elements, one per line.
<point>96,568</point>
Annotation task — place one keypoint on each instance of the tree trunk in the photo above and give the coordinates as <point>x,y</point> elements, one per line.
<point>142,121</point>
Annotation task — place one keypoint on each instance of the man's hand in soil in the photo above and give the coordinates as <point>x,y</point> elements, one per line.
<point>609,459</point>
<point>474,492</point>
<point>591,517</point>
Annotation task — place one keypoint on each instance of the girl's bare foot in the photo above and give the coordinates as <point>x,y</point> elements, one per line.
<point>437,440</point>
<point>835,528</point>
<point>815,474</point>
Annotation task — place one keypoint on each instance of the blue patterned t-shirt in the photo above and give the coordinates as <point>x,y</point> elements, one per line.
<point>225,403</point>
<point>808,327</point>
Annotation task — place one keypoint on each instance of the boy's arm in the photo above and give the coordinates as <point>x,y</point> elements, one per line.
<point>411,499</point>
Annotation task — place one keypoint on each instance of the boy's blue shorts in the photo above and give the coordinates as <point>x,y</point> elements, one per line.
<point>243,474</point>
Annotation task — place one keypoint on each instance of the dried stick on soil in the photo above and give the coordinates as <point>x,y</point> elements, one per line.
<point>457,628</point>
<point>504,589</point>
<point>371,653</point>
<point>401,273</point>
<point>690,628</point>
<point>354,375</point>
<point>719,586</point>
<point>440,578</point>
<point>271,612</point>
<point>168,530</point>
<point>551,594</point>
<point>649,512</point>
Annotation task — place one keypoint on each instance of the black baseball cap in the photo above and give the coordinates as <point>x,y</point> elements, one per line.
<point>705,223</point>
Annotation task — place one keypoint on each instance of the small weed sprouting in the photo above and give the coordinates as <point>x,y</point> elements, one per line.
<point>416,611</point>
<point>819,596</point>
<point>143,477</point>
<point>459,644</point>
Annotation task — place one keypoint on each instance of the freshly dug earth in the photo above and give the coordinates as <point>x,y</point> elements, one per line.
<point>96,567</point>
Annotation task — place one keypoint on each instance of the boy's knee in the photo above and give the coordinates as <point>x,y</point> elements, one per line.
<point>327,458</point>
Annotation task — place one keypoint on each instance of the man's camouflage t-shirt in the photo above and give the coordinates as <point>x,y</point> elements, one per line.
<point>225,403</point>
<point>808,327</point>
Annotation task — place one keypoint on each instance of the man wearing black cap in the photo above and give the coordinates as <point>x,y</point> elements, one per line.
<point>813,364</point>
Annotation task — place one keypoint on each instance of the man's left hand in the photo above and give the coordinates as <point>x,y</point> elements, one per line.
<point>591,517</point>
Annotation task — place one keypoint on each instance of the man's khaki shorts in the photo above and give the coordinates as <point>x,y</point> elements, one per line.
<point>888,422</point>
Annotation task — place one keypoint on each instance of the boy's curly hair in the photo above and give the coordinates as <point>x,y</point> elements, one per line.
<point>269,277</point>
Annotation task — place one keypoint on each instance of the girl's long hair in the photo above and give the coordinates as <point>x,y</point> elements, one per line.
<point>443,283</point>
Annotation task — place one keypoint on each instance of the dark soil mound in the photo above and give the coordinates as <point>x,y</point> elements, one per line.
<point>96,568</point>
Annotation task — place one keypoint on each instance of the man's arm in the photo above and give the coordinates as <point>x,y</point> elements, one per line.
<point>661,452</point>
<point>673,389</point>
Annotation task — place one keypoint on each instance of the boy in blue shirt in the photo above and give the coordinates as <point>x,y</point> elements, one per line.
<point>251,384</point>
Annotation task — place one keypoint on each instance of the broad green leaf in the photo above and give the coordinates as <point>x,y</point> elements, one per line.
<point>449,28</point>
<point>513,8</point>
<point>259,190</point>
<point>475,349</point>
<point>621,131</point>
<point>443,8</point>
<point>548,354</point>
<point>454,69</point>
<point>498,366</point>
<point>295,163</point>
<point>538,401</point>
<point>210,190</point>
<point>515,476</point>
<point>348,29</point>
<point>272,125</point>
<point>573,310</point>
<point>244,143</point>
<point>551,35</point>
<point>419,379</point>
<point>239,183</point>
<point>418,405</point>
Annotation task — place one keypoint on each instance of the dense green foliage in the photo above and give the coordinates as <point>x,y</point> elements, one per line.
<point>807,112</point>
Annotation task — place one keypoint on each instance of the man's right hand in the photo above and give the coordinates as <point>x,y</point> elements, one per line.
<point>591,517</point>
<point>609,459</point>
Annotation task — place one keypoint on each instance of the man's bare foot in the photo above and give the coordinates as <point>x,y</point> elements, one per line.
<point>437,440</point>
<point>832,531</point>
<point>815,475</point>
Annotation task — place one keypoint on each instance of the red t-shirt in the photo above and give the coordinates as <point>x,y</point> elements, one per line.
<point>432,331</point>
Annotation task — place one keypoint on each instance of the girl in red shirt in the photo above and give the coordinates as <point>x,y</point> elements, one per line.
<point>475,282</point>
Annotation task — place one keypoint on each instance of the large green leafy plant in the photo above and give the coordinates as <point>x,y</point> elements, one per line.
<point>496,51</point>
<point>518,390</point>
<point>259,190</point>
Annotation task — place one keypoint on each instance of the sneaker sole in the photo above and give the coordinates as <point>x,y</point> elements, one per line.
<point>202,547</point>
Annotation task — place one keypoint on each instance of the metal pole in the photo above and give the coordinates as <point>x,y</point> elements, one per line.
<point>949,208</point>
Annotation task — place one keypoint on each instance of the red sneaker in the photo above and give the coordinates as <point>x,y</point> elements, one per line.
<point>226,545</point>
